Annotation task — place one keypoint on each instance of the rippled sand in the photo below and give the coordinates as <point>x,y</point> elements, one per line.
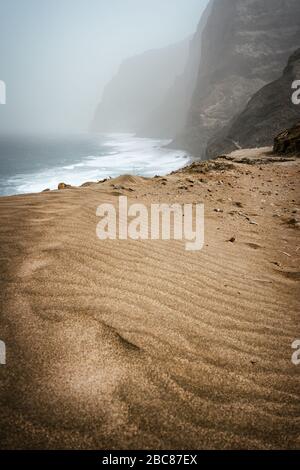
<point>131,344</point>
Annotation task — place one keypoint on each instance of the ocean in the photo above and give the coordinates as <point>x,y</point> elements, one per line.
<point>31,164</point>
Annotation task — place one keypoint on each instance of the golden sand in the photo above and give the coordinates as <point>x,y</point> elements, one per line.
<point>140,344</point>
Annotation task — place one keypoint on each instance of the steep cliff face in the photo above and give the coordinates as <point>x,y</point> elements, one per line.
<point>270,111</point>
<point>170,117</point>
<point>139,88</point>
<point>245,45</point>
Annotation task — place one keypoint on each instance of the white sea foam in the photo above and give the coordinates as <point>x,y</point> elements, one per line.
<point>126,154</point>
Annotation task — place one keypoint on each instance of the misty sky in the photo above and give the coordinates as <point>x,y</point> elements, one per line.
<point>56,55</point>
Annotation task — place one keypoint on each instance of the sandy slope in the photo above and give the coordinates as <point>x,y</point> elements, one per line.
<point>124,344</point>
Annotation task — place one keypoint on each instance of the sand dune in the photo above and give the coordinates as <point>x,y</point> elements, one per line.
<point>140,344</point>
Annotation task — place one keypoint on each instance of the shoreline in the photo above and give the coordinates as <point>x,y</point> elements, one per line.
<point>89,157</point>
<point>125,344</point>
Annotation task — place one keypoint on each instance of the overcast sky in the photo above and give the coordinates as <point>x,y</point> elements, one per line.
<point>56,55</point>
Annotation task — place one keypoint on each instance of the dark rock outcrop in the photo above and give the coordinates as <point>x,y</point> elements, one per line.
<point>245,45</point>
<point>288,141</point>
<point>269,112</point>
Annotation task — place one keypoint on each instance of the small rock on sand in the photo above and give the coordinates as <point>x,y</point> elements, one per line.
<point>64,186</point>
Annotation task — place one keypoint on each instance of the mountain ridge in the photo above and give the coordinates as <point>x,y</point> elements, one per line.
<point>269,111</point>
<point>245,45</point>
<point>139,87</point>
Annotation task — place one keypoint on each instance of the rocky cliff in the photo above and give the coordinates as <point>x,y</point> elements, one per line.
<point>139,88</point>
<point>170,117</point>
<point>245,45</point>
<point>270,111</point>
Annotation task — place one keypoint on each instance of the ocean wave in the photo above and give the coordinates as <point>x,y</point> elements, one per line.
<point>118,154</point>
